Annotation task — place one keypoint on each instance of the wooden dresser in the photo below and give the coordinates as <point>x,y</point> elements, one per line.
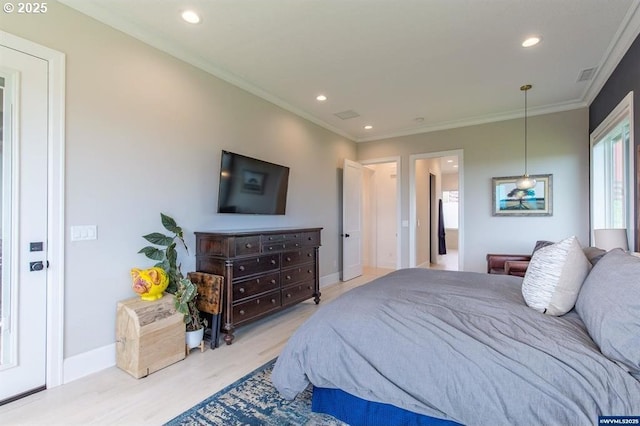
<point>264,270</point>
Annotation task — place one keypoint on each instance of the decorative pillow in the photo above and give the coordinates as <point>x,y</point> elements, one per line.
<point>554,277</point>
<point>540,244</point>
<point>609,305</point>
<point>594,254</point>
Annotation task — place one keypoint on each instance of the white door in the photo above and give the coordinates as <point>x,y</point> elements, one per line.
<point>351,220</point>
<point>23,283</point>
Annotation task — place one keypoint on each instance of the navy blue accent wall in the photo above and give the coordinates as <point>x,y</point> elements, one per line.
<point>624,79</point>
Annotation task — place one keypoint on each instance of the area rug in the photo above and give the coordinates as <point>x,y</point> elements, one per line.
<point>252,400</point>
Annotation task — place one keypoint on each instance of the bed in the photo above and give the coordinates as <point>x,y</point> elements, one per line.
<point>465,348</point>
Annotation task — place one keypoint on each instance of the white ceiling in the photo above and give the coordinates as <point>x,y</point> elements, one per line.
<point>405,66</point>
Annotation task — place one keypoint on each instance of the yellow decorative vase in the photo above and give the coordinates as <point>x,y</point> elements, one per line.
<point>149,283</point>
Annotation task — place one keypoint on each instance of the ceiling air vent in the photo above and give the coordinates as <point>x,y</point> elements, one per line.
<point>587,74</point>
<point>345,115</point>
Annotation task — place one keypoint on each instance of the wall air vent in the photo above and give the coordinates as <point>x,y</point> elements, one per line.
<point>345,115</point>
<point>587,74</point>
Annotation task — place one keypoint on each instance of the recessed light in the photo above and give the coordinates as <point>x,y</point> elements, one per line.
<point>190,16</point>
<point>531,41</point>
<point>449,161</point>
<point>368,127</point>
<point>455,166</point>
<point>321,98</point>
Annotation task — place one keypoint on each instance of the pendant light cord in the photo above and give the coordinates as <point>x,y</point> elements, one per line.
<point>525,132</point>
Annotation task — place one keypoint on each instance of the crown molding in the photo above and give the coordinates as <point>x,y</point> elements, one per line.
<point>621,42</point>
<point>485,119</point>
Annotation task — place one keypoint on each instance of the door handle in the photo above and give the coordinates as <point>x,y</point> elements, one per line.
<point>37,266</point>
<point>347,235</point>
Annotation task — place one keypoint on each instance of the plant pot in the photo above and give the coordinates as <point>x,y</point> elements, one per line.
<point>194,338</point>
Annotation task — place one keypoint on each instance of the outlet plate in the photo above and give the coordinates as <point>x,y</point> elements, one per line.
<point>84,232</point>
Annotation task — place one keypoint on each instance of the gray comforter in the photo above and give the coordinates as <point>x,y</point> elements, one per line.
<point>456,345</point>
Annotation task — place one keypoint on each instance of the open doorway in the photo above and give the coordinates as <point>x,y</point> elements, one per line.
<point>435,231</point>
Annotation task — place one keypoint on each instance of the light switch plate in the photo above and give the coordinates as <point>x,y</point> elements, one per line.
<point>84,232</point>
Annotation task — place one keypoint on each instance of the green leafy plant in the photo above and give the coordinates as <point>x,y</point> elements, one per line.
<point>164,252</point>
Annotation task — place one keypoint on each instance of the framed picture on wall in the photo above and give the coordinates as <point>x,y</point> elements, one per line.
<point>508,200</point>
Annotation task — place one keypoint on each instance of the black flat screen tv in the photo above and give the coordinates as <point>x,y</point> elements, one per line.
<point>251,186</point>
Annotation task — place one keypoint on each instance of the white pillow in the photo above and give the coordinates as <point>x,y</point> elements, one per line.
<point>555,274</point>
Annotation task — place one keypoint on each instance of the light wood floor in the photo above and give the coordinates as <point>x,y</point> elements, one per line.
<point>113,397</point>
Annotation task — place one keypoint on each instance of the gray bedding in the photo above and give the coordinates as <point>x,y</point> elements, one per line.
<point>457,345</point>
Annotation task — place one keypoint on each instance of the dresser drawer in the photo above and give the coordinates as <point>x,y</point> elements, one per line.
<point>244,311</point>
<point>296,275</point>
<point>310,238</point>
<point>254,265</point>
<point>272,238</point>
<point>292,258</point>
<point>251,287</point>
<point>273,247</point>
<point>297,293</point>
<point>247,245</point>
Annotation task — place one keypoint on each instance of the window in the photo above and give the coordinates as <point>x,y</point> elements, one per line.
<point>450,209</point>
<point>612,203</point>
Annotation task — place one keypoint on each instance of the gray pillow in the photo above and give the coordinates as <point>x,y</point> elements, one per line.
<point>594,254</point>
<point>609,305</point>
<point>554,277</point>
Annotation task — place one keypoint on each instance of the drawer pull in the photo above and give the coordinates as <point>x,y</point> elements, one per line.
<point>309,287</point>
<point>258,302</point>
<point>241,311</point>
<point>270,247</point>
<point>273,261</point>
<point>248,245</point>
<point>297,245</point>
<point>288,295</point>
<point>241,289</point>
<point>288,277</point>
<point>310,238</point>
<point>273,281</point>
<point>273,301</point>
<point>288,259</point>
<point>309,271</point>
<point>241,268</point>
<point>308,254</point>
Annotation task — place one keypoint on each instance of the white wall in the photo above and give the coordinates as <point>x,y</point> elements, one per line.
<point>144,132</point>
<point>558,144</point>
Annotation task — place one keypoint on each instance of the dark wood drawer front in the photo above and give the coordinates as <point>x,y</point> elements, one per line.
<point>252,308</point>
<point>248,288</point>
<point>272,238</point>
<point>247,245</point>
<point>296,293</point>
<point>243,268</point>
<point>210,265</point>
<point>296,275</point>
<point>211,246</point>
<point>292,258</point>
<point>273,247</point>
<point>310,238</point>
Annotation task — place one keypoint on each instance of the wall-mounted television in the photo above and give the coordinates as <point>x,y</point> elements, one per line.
<point>251,186</point>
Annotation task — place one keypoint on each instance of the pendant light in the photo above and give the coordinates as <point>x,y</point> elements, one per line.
<point>525,182</point>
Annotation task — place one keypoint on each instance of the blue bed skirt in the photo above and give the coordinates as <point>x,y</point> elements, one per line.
<point>359,412</point>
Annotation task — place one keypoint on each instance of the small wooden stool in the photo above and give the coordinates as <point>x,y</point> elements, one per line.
<point>209,300</point>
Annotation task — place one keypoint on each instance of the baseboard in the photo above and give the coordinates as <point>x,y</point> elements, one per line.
<point>98,359</point>
<point>89,362</point>
<point>329,279</point>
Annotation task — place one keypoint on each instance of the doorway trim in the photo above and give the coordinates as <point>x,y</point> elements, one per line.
<point>412,201</point>
<point>398,161</point>
<point>55,200</point>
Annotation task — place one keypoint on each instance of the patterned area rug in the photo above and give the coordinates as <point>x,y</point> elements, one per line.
<point>253,400</point>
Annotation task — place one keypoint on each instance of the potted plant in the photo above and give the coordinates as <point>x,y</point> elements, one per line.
<point>184,291</point>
